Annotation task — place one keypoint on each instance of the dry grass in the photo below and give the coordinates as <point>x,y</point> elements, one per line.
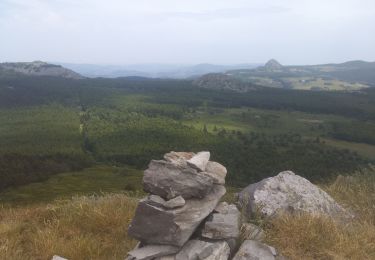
<point>95,227</point>
<point>317,237</point>
<point>81,228</point>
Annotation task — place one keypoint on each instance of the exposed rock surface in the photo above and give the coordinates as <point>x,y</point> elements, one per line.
<point>223,224</point>
<point>170,204</point>
<point>255,250</point>
<point>178,158</point>
<point>169,180</point>
<point>151,251</point>
<point>290,193</point>
<point>201,250</point>
<point>217,171</point>
<point>156,225</point>
<point>199,161</point>
<point>38,68</point>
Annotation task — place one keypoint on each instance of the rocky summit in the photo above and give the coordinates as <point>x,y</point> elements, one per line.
<point>37,68</point>
<point>183,219</point>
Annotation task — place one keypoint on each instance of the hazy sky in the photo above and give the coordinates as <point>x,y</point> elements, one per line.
<point>189,31</point>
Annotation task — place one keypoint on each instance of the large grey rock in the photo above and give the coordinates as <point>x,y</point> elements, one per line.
<point>202,250</point>
<point>255,250</point>
<point>199,160</point>
<point>288,192</point>
<point>151,251</point>
<point>169,180</point>
<point>217,171</point>
<point>170,204</point>
<point>223,224</point>
<point>251,232</point>
<point>157,225</point>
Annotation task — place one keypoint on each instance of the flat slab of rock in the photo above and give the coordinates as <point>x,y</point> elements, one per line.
<point>288,192</point>
<point>255,250</point>
<point>169,180</point>
<point>151,251</point>
<point>223,224</point>
<point>199,161</point>
<point>157,225</point>
<point>217,171</point>
<point>201,250</point>
<point>178,158</point>
<point>170,204</point>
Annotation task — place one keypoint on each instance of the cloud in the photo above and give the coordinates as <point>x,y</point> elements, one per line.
<point>194,31</point>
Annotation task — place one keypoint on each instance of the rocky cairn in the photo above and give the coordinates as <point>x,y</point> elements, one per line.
<point>182,217</point>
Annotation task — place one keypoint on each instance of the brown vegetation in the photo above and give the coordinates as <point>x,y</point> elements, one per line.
<point>82,228</point>
<point>317,237</point>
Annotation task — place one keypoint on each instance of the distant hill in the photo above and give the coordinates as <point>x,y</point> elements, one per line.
<point>348,76</point>
<point>222,82</point>
<point>273,65</point>
<point>173,71</point>
<point>36,68</point>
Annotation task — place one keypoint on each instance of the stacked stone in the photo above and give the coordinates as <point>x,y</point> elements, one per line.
<point>182,218</point>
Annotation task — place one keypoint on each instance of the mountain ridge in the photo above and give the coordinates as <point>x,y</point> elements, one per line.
<point>37,68</point>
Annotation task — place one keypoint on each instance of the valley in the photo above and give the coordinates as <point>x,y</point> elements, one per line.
<point>55,130</point>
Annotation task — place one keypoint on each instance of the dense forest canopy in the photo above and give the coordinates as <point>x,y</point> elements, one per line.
<point>51,125</point>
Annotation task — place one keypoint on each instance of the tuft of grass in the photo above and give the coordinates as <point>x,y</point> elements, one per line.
<point>81,228</point>
<point>317,237</point>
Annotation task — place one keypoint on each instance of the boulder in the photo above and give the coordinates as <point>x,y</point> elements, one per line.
<point>170,204</point>
<point>251,232</point>
<point>151,251</point>
<point>202,250</point>
<point>255,250</point>
<point>157,225</point>
<point>217,171</point>
<point>169,180</point>
<point>223,224</point>
<point>290,193</point>
<point>199,161</point>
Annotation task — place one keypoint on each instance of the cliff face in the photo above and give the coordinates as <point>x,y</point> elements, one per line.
<point>37,68</point>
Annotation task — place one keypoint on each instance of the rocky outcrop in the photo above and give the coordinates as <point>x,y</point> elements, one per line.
<point>287,193</point>
<point>38,68</point>
<point>185,190</point>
